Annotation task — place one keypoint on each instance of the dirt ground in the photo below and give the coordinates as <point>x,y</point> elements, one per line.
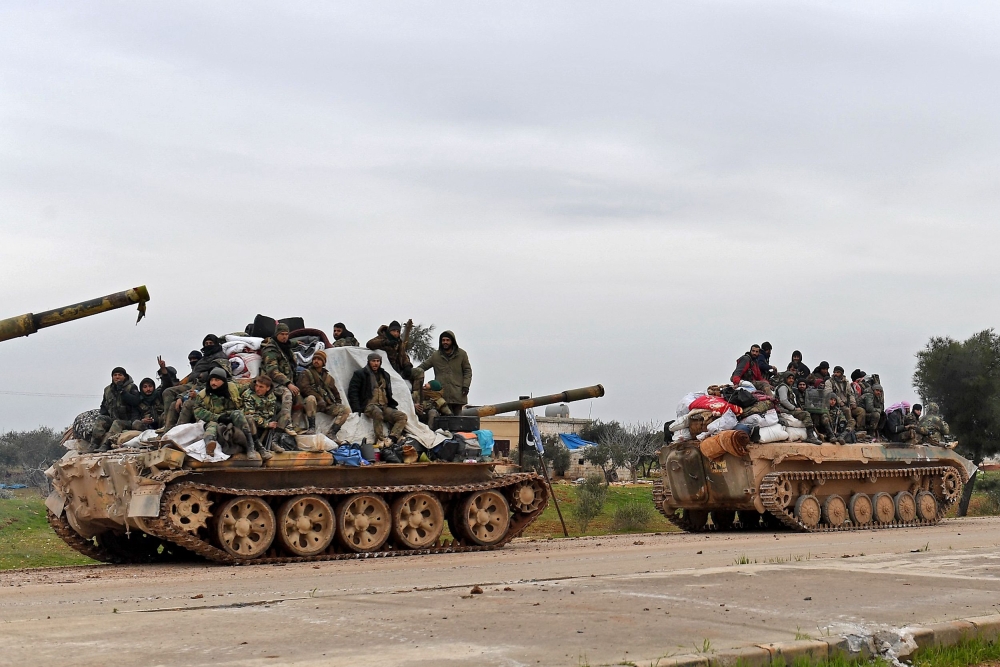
<point>604,600</point>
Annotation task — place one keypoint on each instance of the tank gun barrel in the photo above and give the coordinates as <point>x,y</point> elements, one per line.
<point>568,396</point>
<point>29,323</point>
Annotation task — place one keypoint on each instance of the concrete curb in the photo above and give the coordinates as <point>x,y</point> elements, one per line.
<point>986,628</point>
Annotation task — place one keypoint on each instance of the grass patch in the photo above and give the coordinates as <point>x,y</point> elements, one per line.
<point>974,653</point>
<point>547,525</point>
<point>26,540</point>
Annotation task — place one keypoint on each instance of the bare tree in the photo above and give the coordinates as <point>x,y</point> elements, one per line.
<point>630,446</point>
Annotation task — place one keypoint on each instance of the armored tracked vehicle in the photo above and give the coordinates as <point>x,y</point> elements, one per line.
<point>807,487</point>
<point>143,505</point>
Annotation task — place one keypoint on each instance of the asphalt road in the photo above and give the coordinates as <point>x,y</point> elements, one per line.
<point>557,602</point>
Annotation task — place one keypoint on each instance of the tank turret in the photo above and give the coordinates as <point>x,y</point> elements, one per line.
<point>29,323</point>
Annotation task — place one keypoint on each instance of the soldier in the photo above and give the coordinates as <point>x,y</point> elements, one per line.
<point>801,370</point>
<point>818,406</point>
<point>119,408</point>
<point>320,391</point>
<point>432,404</point>
<point>764,361</point>
<point>838,386</point>
<point>747,368</point>
<point>342,337</point>
<point>823,370</point>
<point>219,403</point>
<point>873,402</point>
<point>932,428</point>
<point>370,393</point>
<point>278,363</point>
<point>895,429</point>
<point>178,392</point>
<point>150,406</point>
<point>911,422</point>
<point>788,403</point>
<point>840,419</point>
<point>393,344</point>
<point>260,407</point>
<point>452,369</point>
<point>210,357</point>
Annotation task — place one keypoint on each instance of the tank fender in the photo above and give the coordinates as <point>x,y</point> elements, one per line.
<point>56,502</point>
<point>145,501</point>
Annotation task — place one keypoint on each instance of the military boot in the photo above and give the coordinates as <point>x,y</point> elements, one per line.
<point>252,446</point>
<point>811,437</point>
<point>312,426</point>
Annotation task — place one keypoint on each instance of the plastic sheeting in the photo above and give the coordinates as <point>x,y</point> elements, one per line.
<point>342,362</point>
<point>573,441</point>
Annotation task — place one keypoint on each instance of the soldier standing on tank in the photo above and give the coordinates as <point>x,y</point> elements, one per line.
<point>278,363</point>
<point>119,408</point>
<point>342,337</point>
<point>389,340</point>
<point>788,403</point>
<point>321,395</point>
<point>452,369</point>
<point>370,393</point>
<point>841,388</point>
<point>260,407</point>
<point>932,428</point>
<point>219,403</point>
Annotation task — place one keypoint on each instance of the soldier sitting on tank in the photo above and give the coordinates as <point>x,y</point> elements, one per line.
<point>788,403</point>
<point>342,337</point>
<point>278,363</point>
<point>260,407</point>
<point>150,406</point>
<point>119,408</point>
<point>932,429</point>
<point>321,395</point>
<point>839,386</point>
<point>840,420</point>
<point>432,404</point>
<point>911,423</point>
<point>818,406</point>
<point>873,401</point>
<point>895,429</point>
<point>218,404</point>
<point>210,357</point>
<point>370,393</point>
<point>389,340</point>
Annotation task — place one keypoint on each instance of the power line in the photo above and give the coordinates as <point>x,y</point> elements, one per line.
<point>46,395</point>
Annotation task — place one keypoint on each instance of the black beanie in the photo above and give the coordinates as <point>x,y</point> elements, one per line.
<point>146,381</point>
<point>211,337</point>
<point>824,364</point>
<point>119,369</point>
<point>195,354</point>
<point>917,406</point>
<point>857,375</point>
<point>339,325</point>
<point>394,325</point>
<point>838,369</point>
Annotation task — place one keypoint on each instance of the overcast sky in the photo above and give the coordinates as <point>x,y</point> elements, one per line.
<point>624,193</point>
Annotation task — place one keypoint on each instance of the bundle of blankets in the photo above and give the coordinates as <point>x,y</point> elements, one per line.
<point>725,419</point>
<point>244,353</point>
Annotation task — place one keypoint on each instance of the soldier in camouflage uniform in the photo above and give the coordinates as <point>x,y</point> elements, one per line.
<point>818,406</point>
<point>219,403</point>
<point>432,404</point>
<point>931,428</point>
<point>119,408</point>
<point>873,402</point>
<point>150,406</point>
<point>840,421</point>
<point>321,395</point>
<point>838,385</point>
<point>910,423</point>
<point>278,363</point>
<point>260,407</point>
<point>342,337</point>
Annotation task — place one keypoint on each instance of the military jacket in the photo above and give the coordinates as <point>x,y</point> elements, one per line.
<point>275,364</point>
<point>210,406</point>
<point>260,410</point>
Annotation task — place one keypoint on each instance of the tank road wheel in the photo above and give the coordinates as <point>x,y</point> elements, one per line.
<point>723,519</point>
<point>784,492</point>
<point>417,520</point>
<point>926,506</point>
<point>906,506</point>
<point>245,526</point>
<point>363,522</point>
<point>808,510</point>
<point>951,486</point>
<point>189,509</point>
<point>860,509</point>
<point>834,511</point>
<point>526,497</point>
<point>305,525</point>
<point>885,508</point>
<point>484,517</point>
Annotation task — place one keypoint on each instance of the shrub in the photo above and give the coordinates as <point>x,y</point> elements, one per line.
<point>632,515</point>
<point>590,497</point>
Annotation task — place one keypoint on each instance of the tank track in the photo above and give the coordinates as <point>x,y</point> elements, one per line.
<point>659,497</point>
<point>87,547</point>
<point>164,529</point>
<point>769,485</point>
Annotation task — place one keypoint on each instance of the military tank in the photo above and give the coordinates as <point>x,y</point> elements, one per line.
<point>29,323</point>
<point>157,504</point>
<point>808,487</point>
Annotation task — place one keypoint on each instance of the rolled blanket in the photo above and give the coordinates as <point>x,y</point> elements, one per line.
<point>725,442</point>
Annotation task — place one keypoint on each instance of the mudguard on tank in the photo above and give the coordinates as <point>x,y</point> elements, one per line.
<point>810,487</point>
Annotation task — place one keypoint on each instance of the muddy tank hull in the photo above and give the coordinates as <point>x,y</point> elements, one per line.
<point>151,506</point>
<point>813,488</point>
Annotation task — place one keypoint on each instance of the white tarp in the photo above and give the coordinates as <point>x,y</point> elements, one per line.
<point>342,362</point>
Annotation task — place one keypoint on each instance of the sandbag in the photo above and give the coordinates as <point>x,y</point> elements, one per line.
<point>726,442</point>
<point>716,404</point>
<point>726,422</point>
<point>796,434</point>
<point>314,443</point>
<point>769,418</point>
<point>786,419</point>
<point>773,434</point>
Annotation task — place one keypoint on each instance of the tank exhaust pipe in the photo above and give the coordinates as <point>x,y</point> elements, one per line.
<point>29,323</point>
